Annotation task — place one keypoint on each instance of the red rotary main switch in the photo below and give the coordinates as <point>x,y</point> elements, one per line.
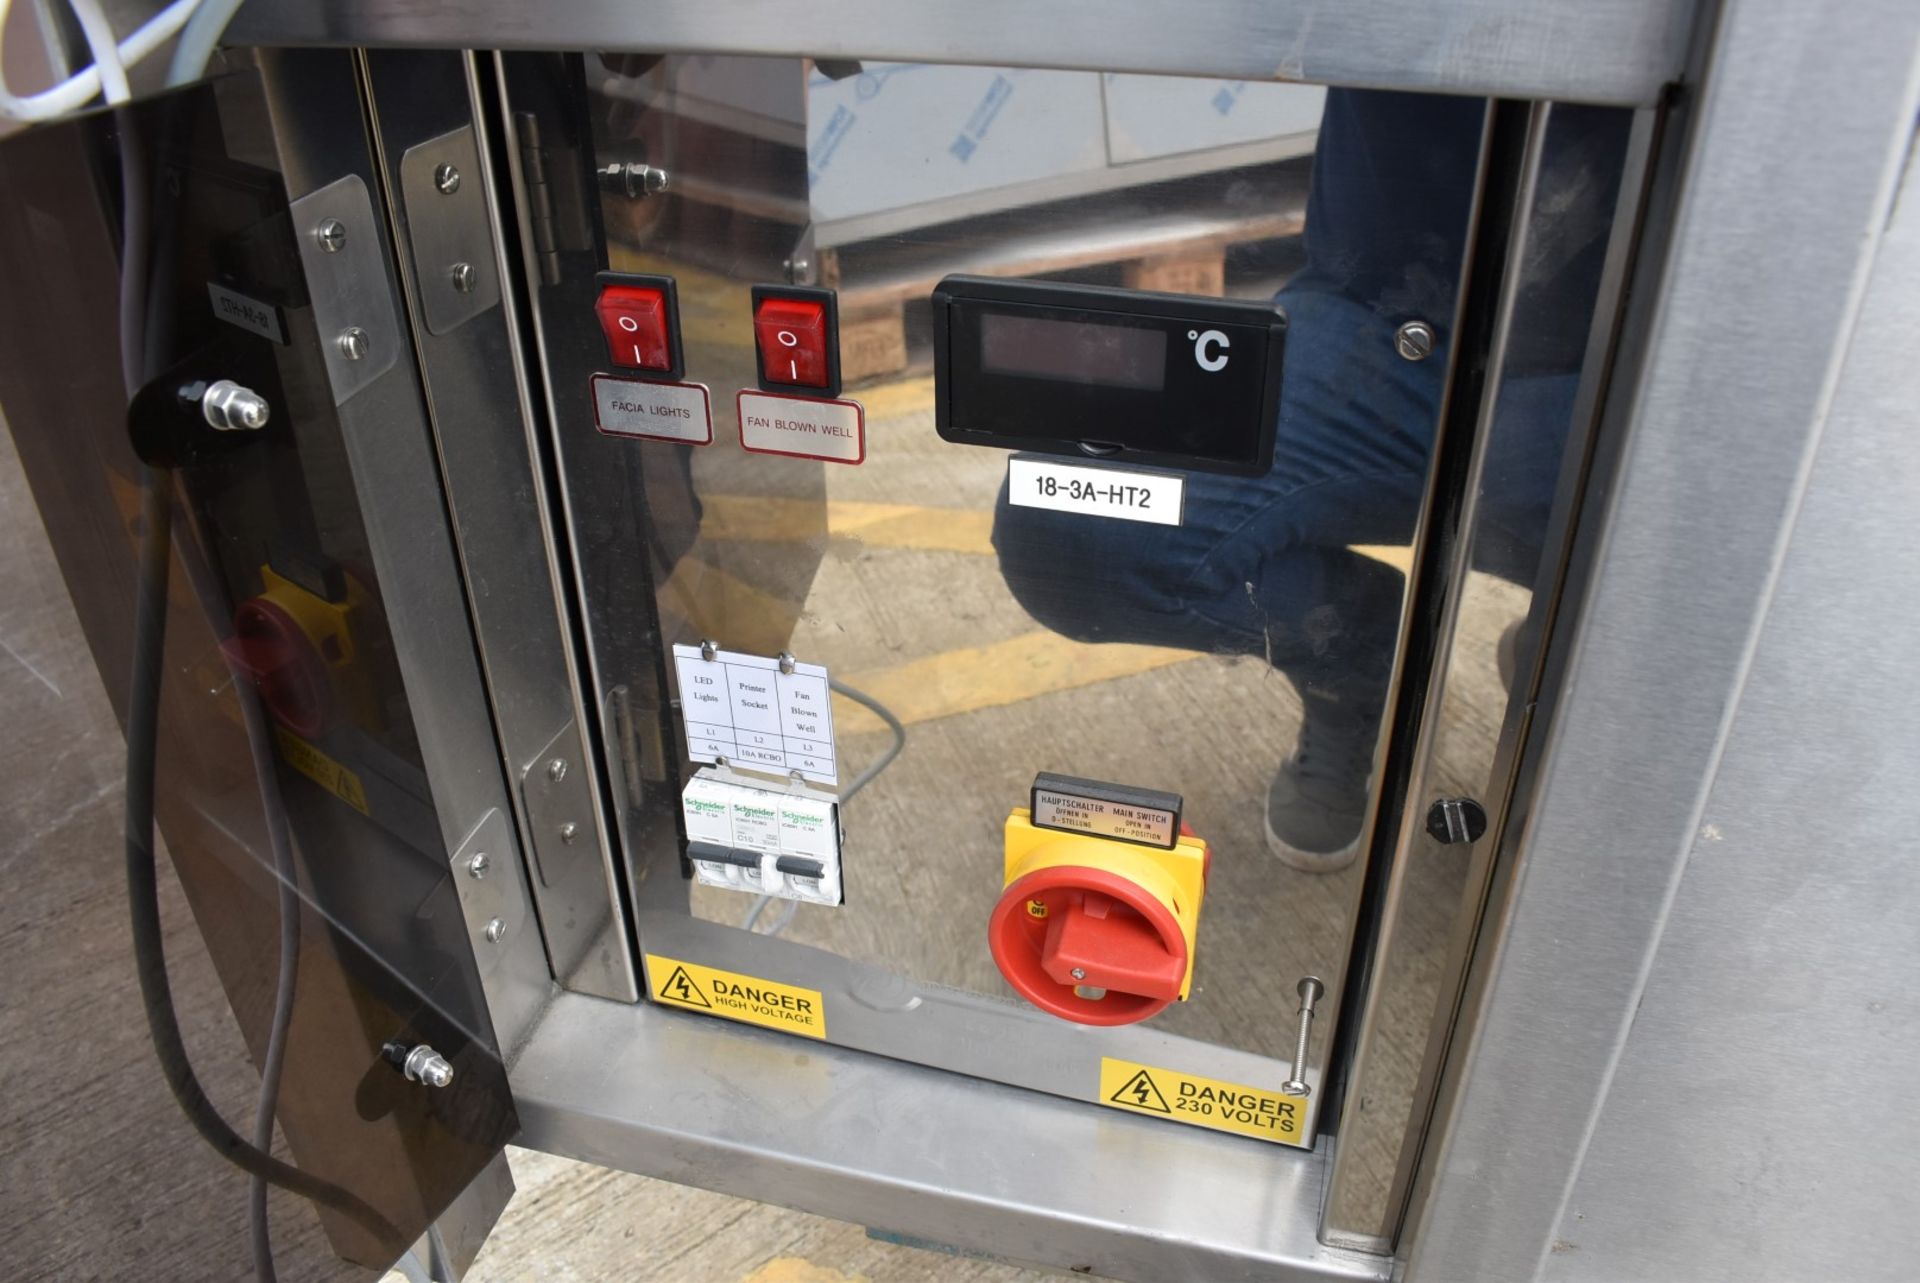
<point>1061,935</point>
<point>1094,928</point>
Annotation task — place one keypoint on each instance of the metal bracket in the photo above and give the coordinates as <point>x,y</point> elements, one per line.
<point>560,810</point>
<point>448,230</point>
<point>482,869</point>
<point>353,304</point>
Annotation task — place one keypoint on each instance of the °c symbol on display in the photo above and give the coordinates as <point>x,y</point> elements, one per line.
<point>1211,361</point>
<point>1138,1091</point>
<point>680,988</point>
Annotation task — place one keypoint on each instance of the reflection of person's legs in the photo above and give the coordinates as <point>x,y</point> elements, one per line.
<point>1266,566</point>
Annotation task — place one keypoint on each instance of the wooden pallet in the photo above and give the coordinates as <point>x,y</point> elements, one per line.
<point>1172,251</point>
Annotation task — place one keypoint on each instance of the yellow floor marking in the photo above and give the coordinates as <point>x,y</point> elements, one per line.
<point>897,397</point>
<point>947,684</point>
<point>794,1269</point>
<point>927,530</point>
<point>882,525</point>
<point>714,309</point>
<point>717,604</point>
<point>891,525</point>
<point>775,520</point>
<point>1399,556</point>
<point>976,677</point>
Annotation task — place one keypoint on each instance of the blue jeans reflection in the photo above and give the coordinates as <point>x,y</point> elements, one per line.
<point>1269,566</point>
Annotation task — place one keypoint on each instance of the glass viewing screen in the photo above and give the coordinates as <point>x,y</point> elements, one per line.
<point>1118,356</point>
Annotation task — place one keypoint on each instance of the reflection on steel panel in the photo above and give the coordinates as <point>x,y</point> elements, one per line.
<point>1011,641</point>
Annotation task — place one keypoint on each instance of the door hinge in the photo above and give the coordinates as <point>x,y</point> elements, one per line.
<point>557,189</point>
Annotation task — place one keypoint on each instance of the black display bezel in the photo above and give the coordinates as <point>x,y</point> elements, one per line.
<point>676,350</point>
<point>831,392</point>
<point>974,406</point>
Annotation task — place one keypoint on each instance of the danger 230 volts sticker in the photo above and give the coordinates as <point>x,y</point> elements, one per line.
<point>1203,1102</point>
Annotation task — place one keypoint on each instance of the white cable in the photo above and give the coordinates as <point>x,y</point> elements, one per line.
<point>195,50</point>
<point>98,29</point>
<point>78,90</point>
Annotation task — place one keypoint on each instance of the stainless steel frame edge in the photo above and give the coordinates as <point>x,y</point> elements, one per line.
<point>921,1152</point>
<point>1361,1213</point>
<point>396,478</point>
<point>1713,446</point>
<point>1398,847</point>
<point>1621,53</point>
<point>483,419</point>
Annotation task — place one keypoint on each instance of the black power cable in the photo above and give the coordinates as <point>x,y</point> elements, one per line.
<point>143,718</point>
<point>143,892</point>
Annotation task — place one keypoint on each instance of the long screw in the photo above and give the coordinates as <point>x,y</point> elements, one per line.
<point>1310,990</point>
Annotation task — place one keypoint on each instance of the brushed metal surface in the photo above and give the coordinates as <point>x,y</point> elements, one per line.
<point>1769,1068</point>
<point>1619,51</point>
<point>1481,705</point>
<point>349,287</point>
<point>481,419</point>
<point>972,1165</point>
<point>397,482</point>
<point>493,913</point>
<point>1671,898</point>
<point>449,228</point>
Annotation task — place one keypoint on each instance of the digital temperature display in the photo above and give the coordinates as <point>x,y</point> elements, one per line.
<point>1114,356</point>
<point>1079,370</point>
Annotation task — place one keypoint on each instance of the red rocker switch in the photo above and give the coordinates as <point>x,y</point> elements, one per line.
<point>635,322</point>
<point>794,330</point>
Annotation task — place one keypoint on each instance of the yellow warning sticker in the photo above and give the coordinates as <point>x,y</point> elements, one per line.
<point>1203,1102</point>
<point>767,1003</point>
<point>322,770</point>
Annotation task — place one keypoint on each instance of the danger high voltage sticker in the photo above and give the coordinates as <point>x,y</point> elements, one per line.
<point>766,1003</point>
<point>1203,1102</point>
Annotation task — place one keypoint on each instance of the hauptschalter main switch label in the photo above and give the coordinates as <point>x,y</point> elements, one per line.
<point>1147,816</point>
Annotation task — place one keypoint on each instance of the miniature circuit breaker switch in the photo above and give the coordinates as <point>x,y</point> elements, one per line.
<point>767,839</point>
